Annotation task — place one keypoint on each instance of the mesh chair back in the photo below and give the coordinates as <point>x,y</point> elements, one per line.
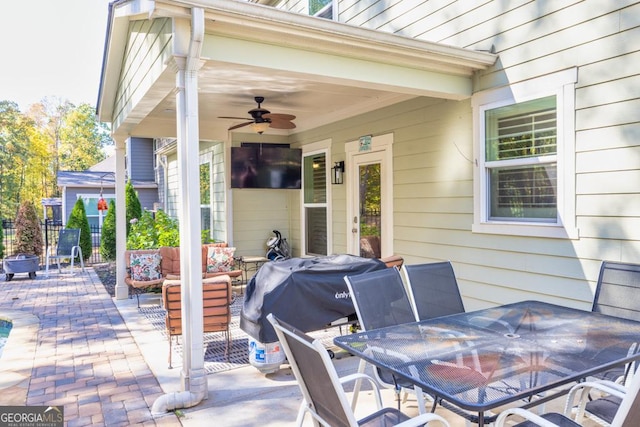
<point>315,374</point>
<point>67,239</point>
<point>433,289</point>
<point>380,298</point>
<point>618,290</point>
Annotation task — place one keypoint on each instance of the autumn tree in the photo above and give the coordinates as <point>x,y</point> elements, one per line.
<point>81,139</point>
<point>15,131</point>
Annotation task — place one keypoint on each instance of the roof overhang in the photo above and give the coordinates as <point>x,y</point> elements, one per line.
<point>316,69</point>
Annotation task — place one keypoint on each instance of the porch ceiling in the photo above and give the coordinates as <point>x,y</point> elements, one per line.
<point>318,70</point>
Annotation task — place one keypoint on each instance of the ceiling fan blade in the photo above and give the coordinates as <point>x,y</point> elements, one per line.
<point>240,125</point>
<point>281,124</point>
<point>278,116</point>
<point>235,118</point>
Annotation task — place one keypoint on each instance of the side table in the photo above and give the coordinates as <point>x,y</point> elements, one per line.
<point>250,263</point>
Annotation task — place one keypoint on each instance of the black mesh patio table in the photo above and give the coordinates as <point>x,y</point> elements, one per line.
<point>479,361</point>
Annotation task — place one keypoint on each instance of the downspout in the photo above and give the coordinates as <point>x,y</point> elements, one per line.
<point>194,379</point>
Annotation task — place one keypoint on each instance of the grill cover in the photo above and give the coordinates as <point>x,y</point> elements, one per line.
<point>308,293</point>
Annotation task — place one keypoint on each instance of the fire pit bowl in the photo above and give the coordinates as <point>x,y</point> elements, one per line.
<point>21,263</point>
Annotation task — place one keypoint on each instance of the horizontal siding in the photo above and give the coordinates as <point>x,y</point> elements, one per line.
<point>433,143</point>
<point>256,213</point>
<point>147,51</point>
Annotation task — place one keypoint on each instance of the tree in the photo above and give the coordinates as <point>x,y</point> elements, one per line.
<point>78,219</point>
<point>15,130</point>
<point>28,239</point>
<point>108,237</point>
<point>133,206</point>
<point>81,139</point>
<point>1,240</point>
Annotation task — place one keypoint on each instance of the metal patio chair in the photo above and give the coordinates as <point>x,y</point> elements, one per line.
<point>68,247</point>
<point>626,415</point>
<point>323,394</point>
<point>618,294</point>
<point>433,290</point>
<point>380,300</point>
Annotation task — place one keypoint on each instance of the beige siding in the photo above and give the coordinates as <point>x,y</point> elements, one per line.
<point>148,48</point>
<point>256,213</point>
<point>433,165</point>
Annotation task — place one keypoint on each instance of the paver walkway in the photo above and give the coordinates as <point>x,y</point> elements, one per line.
<point>83,358</point>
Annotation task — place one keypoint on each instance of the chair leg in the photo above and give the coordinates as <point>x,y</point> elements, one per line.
<point>81,258</point>
<point>357,384</point>
<point>170,351</point>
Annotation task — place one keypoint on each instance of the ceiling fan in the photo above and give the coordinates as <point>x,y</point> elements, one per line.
<point>261,119</point>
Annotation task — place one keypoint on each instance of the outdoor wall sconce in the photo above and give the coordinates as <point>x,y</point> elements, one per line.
<point>337,173</point>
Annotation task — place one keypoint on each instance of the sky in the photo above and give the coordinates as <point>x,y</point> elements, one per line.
<point>51,48</point>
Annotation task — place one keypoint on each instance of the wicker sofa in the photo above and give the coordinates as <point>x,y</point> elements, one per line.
<point>149,268</point>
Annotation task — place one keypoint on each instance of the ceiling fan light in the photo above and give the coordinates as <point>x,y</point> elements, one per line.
<point>260,127</point>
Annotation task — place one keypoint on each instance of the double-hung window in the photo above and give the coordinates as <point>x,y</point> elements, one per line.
<point>521,161</point>
<point>315,204</point>
<point>524,181</point>
<point>206,220</point>
<point>316,217</point>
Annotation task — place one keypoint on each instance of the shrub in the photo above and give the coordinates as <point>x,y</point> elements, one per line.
<point>151,232</point>
<point>108,238</point>
<point>143,234</point>
<point>78,219</point>
<point>28,238</point>
<point>132,205</point>
<point>167,230</point>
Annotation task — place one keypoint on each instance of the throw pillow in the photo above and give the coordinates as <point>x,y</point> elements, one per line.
<point>145,267</point>
<point>219,259</point>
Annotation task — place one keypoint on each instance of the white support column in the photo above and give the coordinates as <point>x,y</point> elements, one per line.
<point>122,290</point>
<point>188,132</point>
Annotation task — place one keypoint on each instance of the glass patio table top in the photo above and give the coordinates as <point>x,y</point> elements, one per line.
<point>481,360</point>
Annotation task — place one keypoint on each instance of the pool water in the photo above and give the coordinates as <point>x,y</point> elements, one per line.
<point>5,328</point>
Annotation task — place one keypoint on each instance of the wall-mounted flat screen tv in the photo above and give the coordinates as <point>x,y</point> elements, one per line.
<point>261,166</point>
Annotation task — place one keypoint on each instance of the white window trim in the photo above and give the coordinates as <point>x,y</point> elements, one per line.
<point>562,85</point>
<point>323,146</point>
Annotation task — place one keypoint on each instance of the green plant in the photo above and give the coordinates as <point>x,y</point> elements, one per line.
<point>28,237</point>
<point>108,237</point>
<point>132,205</point>
<point>78,219</point>
<point>167,229</point>
<point>152,231</point>
<point>143,233</point>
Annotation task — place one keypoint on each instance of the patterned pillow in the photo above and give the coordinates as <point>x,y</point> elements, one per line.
<point>219,259</point>
<point>145,267</point>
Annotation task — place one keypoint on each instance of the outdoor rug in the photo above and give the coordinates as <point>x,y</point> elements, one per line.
<point>214,343</point>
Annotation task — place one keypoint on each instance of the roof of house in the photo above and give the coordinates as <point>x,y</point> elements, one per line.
<point>95,179</point>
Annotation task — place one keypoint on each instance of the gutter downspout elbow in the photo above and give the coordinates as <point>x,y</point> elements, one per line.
<point>182,399</point>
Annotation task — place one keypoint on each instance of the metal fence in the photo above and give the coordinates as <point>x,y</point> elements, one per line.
<point>50,231</point>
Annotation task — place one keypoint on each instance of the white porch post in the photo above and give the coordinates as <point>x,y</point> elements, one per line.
<point>188,132</point>
<point>122,290</point>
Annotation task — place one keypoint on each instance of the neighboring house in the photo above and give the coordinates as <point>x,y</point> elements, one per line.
<point>99,181</point>
<point>503,136</point>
